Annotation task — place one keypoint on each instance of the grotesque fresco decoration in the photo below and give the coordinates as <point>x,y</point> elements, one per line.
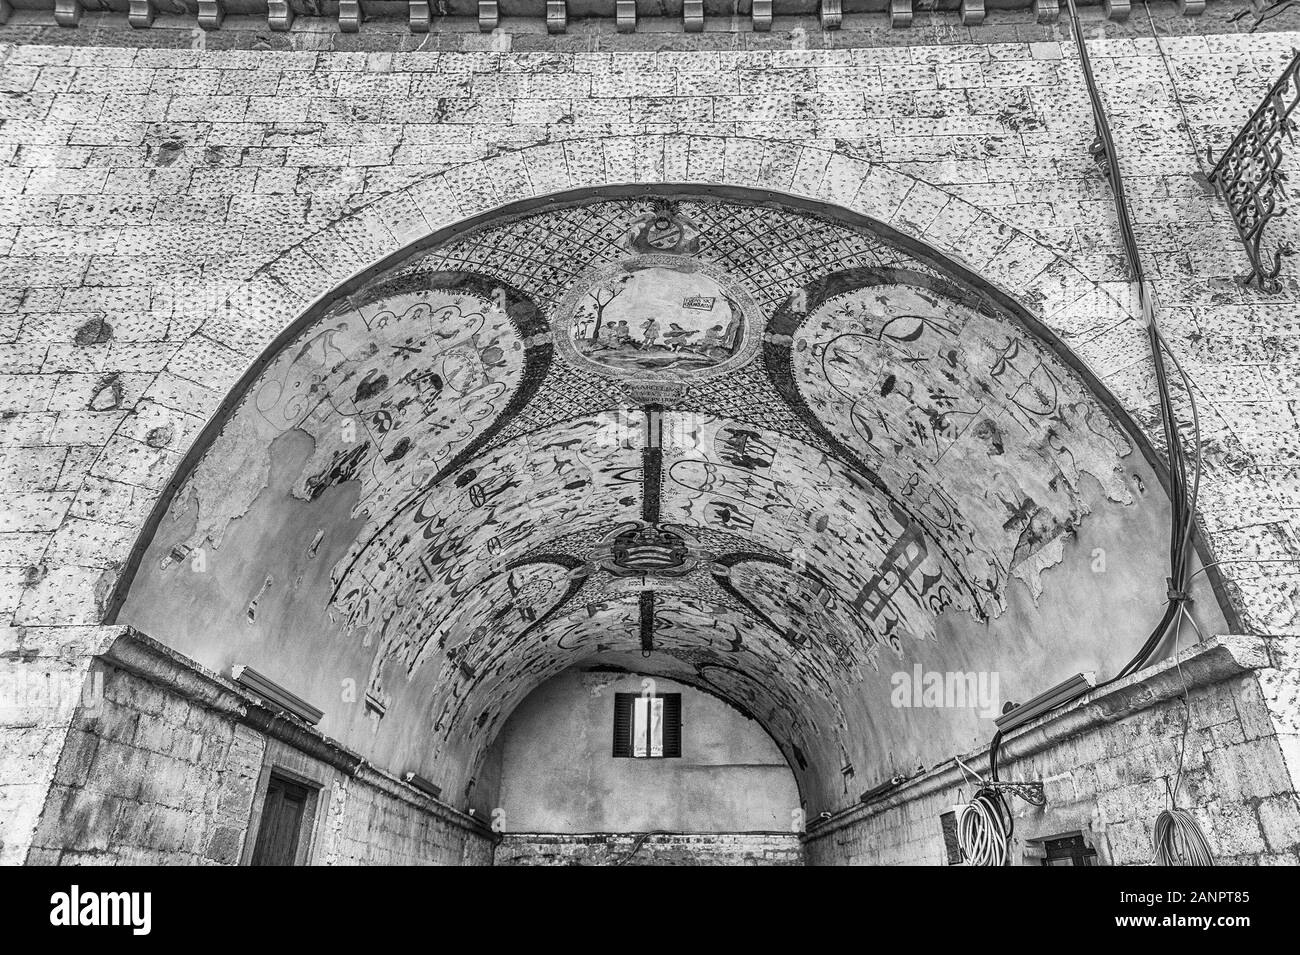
<point>638,549</point>
<point>388,391</point>
<point>927,393</point>
<point>765,451</point>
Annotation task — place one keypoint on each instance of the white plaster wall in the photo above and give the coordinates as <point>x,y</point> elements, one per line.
<point>558,773</point>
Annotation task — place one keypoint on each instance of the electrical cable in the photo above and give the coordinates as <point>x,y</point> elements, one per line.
<point>1183,503</point>
<point>985,826</point>
<point>1248,560</point>
<point>1179,840</point>
<point>1187,722</point>
<point>1182,500</point>
<point>1183,497</point>
<point>639,842</point>
<point>1195,626</point>
<point>984,830</point>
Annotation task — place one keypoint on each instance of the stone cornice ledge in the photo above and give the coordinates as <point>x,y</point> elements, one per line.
<point>155,663</point>
<point>1211,661</point>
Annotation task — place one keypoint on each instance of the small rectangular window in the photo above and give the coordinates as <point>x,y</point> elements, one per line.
<point>1068,850</point>
<point>648,727</point>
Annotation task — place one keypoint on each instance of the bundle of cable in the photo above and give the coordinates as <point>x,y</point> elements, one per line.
<point>1179,840</point>
<point>984,830</point>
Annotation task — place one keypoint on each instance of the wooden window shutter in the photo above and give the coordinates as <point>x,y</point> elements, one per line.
<point>672,724</point>
<point>623,723</point>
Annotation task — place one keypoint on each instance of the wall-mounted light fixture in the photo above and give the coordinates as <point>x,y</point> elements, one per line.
<point>376,703</point>
<point>422,784</point>
<point>1075,686</point>
<point>271,691</point>
<point>875,792</point>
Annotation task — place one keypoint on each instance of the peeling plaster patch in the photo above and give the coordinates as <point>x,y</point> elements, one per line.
<point>250,615</point>
<point>94,332</point>
<point>597,682</point>
<point>108,394</point>
<point>176,555</point>
<point>227,481</point>
<point>1030,570</point>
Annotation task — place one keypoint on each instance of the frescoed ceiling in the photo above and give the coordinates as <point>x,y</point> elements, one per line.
<point>763,451</point>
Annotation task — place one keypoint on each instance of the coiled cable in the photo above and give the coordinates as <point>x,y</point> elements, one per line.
<point>1179,840</point>
<point>984,830</point>
<point>985,827</point>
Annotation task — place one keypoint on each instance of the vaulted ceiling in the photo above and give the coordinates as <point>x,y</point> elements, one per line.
<point>765,451</point>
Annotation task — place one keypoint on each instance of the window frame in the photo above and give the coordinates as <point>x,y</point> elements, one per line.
<point>1068,850</point>
<point>625,726</point>
<point>274,772</point>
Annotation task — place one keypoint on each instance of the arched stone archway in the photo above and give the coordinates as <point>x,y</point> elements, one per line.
<point>842,454</point>
<point>174,243</point>
<point>237,316</point>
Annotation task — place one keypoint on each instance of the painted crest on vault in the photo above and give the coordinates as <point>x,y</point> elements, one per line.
<point>664,230</point>
<point>658,317</point>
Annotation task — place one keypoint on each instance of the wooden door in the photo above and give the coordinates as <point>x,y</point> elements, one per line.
<point>281,826</point>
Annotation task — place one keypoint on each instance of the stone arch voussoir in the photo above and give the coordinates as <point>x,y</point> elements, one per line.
<point>273,295</point>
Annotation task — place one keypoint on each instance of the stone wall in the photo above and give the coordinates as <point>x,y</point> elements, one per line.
<point>150,776</point>
<point>1108,769</point>
<point>46,677</point>
<point>740,848</point>
<point>370,827</point>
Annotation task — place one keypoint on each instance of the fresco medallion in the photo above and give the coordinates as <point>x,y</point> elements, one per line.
<point>658,318</point>
<point>640,549</point>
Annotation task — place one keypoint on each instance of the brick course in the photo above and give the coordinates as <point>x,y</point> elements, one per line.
<point>678,849</point>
